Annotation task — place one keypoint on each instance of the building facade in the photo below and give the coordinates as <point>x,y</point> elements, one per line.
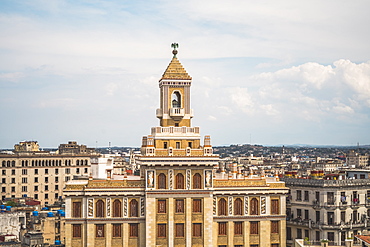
<point>327,209</point>
<point>29,172</point>
<point>178,199</point>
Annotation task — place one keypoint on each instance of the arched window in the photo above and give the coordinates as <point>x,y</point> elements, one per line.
<point>238,206</point>
<point>134,212</point>
<point>117,209</point>
<point>100,211</point>
<point>77,163</point>
<point>176,100</point>
<point>197,181</point>
<point>254,207</point>
<point>179,180</point>
<point>222,207</point>
<point>4,163</point>
<point>162,183</point>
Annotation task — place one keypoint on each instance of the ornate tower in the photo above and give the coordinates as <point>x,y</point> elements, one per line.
<point>175,95</point>
<point>178,170</point>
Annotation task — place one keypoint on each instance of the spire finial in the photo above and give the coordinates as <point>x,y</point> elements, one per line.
<point>174,46</point>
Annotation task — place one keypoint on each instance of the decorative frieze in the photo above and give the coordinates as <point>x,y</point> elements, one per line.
<point>170,175</point>
<point>142,206</point>
<point>125,206</point>
<point>208,178</point>
<point>188,179</point>
<point>108,207</point>
<point>230,205</point>
<point>246,200</point>
<point>263,205</point>
<point>214,205</point>
<point>90,207</point>
<point>150,175</point>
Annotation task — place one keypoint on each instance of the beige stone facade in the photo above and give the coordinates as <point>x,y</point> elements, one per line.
<point>179,199</point>
<point>39,174</point>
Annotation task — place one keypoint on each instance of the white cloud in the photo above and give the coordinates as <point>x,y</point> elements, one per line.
<point>270,110</point>
<point>242,99</point>
<point>12,76</point>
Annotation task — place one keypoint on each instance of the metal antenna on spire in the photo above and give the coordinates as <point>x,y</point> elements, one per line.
<point>174,46</point>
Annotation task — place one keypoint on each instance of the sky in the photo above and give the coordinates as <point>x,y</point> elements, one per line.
<point>264,72</point>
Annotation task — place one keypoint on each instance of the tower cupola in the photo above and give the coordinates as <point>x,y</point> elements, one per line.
<point>175,94</point>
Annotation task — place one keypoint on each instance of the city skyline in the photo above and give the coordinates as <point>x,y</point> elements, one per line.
<point>266,73</point>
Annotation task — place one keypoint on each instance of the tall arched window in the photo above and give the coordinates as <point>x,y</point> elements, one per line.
<point>197,181</point>
<point>117,208</point>
<point>99,211</point>
<point>179,180</point>
<point>162,181</point>
<point>222,207</point>
<point>176,100</point>
<point>134,211</point>
<point>238,207</point>
<point>254,210</point>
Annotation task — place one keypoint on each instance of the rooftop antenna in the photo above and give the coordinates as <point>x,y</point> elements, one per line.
<point>109,149</point>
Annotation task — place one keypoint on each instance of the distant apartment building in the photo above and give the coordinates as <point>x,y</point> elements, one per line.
<point>29,172</point>
<point>357,160</point>
<point>328,164</point>
<point>327,209</point>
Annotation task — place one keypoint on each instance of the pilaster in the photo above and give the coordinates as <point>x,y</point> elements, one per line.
<point>208,218</point>
<point>150,227</point>
<point>171,226</point>
<point>188,222</point>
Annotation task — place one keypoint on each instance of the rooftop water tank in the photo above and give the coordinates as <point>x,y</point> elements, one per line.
<point>35,213</point>
<point>50,214</point>
<point>57,242</point>
<point>8,208</point>
<point>45,208</point>
<point>63,214</point>
<point>2,206</point>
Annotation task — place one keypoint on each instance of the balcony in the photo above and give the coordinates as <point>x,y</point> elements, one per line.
<point>355,204</point>
<point>316,204</point>
<point>343,205</point>
<point>330,205</point>
<point>177,112</point>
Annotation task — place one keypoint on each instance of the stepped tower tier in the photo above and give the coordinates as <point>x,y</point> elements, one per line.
<point>175,136</point>
<point>175,95</point>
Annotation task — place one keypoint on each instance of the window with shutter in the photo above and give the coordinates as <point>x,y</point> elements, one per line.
<point>222,207</point>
